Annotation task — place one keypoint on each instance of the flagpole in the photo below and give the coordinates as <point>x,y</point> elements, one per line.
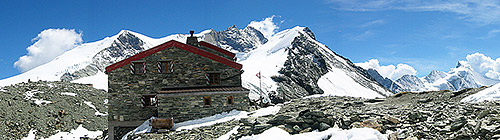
<point>260,82</point>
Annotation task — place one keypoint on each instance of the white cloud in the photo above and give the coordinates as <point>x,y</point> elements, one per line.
<point>479,11</point>
<point>363,36</point>
<point>484,65</point>
<point>390,71</point>
<point>48,44</point>
<point>492,34</point>
<point>266,26</point>
<point>371,23</point>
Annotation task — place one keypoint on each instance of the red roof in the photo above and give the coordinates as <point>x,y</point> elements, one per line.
<point>173,43</point>
<point>213,47</point>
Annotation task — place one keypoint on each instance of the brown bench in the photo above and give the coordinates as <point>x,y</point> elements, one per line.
<point>162,123</point>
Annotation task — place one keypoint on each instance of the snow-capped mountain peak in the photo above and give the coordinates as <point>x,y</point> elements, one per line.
<point>463,64</point>
<point>293,65</point>
<point>434,76</point>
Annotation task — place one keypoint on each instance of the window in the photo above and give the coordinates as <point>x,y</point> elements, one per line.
<point>149,100</point>
<point>207,101</point>
<point>166,66</point>
<point>213,78</point>
<point>138,67</point>
<point>230,100</point>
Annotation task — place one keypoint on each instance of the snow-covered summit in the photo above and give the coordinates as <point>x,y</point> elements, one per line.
<point>293,64</point>
<point>434,76</point>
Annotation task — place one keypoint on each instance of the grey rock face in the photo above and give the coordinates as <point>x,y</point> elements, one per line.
<point>301,71</point>
<point>386,82</point>
<point>307,61</point>
<point>124,46</point>
<point>236,40</point>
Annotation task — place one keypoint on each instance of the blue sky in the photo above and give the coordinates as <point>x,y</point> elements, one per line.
<point>430,35</point>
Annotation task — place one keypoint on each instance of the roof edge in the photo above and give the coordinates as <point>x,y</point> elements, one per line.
<point>173,43</point>
<point>213,47</point>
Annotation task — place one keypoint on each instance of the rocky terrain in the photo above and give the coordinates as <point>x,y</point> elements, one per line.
<point>50,107</point>
<point>423,115</point>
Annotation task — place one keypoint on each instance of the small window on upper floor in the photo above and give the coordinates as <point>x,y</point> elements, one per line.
<point>207,101</point>
<point>230,100</point>
<point>149,100</point>
<point>138,67</point>
<point>166,66</point>
<point>213,78</point>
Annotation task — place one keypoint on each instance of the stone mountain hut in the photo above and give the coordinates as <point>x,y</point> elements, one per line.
<point>173,80</point>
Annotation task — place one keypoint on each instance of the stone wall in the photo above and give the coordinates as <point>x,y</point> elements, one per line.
<point>183,108</point>
<point>126,89</point>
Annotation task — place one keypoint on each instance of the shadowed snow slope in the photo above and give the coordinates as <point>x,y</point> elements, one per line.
<point>338,83</point>
<point>491,93</point>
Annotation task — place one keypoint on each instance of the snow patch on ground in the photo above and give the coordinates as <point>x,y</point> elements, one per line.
<point>332,133</point>
<point>74,134</point>
<point>41,101</point>
<point>338,83</point>
<point>228,134</point>
<point>97,113</point>
<point>271,110</point>
<point>488,94</point>
<point>28,95</point>
<point>143,128</point>
<point>211,120</point>
<point>68,93</point>
<point>31,135</point>
<point>99,81</point>
<point>226,116</point>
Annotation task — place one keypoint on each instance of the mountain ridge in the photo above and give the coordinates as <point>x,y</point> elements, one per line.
<point>458,78</point>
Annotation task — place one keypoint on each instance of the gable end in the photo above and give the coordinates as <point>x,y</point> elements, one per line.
<point>177,44</point>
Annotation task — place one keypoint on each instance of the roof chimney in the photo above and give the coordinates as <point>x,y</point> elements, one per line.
<point>192,40</point>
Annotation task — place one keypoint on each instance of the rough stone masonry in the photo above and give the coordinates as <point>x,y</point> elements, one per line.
<point>173,80</point>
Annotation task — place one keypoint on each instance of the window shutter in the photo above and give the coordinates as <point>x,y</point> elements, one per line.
<point>159,67</point>
<point>207,78</point>
<point>144,67</point>
<point>132,68</point>
<point>171,66</point>
<point>142,101</point>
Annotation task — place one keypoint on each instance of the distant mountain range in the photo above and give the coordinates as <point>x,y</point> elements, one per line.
<point>292,63</point>
<point>458,78</point>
